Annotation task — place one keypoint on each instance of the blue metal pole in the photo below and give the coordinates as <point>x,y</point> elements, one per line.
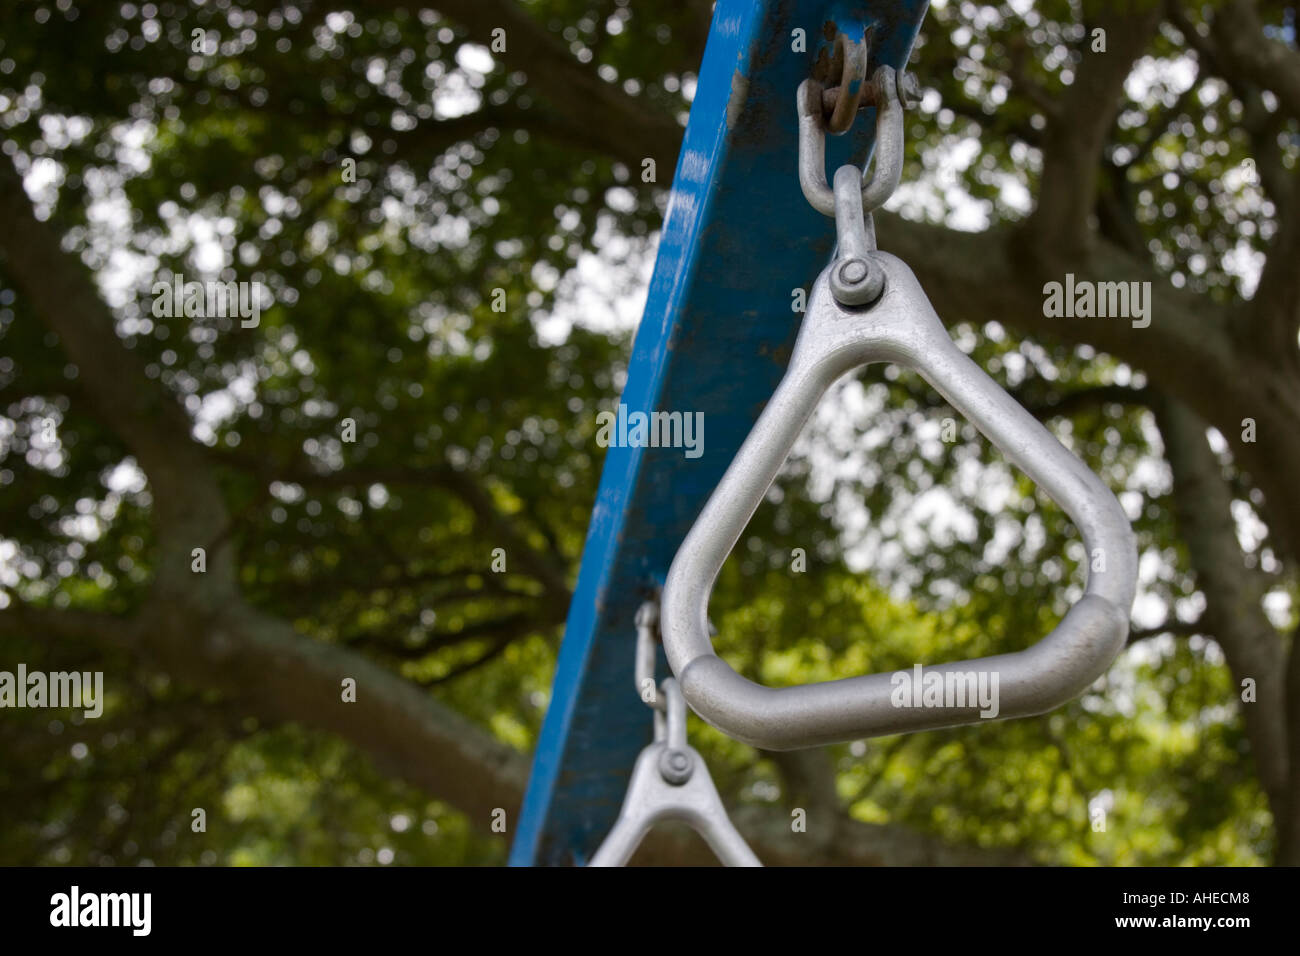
<point>716,335</point>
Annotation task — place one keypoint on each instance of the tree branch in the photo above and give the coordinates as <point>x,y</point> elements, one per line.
<point>509,627</point>
<point>627,127</point>
<point>1246,51</point>
<point>543,566</point>
<point>1076,134</point>
<point>1233,593</point>
<point>1237,49</point>
<point>188,507</point>
<point>1066,404</point>
<point>1274,312</point>
<point>71,624</point>
<point>1172,626</point>
<point>246,654</point>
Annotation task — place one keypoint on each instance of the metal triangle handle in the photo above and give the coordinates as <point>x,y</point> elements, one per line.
<point>671,782</point>
<point>651,800</point>
<point>900,326</point>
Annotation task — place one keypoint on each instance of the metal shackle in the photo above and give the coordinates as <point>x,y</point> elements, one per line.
<point>878,184</point>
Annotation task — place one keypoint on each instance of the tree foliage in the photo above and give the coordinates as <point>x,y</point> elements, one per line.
<point>135,148</point>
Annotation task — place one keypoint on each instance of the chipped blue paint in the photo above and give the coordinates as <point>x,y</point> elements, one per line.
<point>717,331</point>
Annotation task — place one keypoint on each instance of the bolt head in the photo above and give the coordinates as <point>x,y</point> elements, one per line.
<point>853,271</point>
<point>856,281</point>
<point>675,766</point>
